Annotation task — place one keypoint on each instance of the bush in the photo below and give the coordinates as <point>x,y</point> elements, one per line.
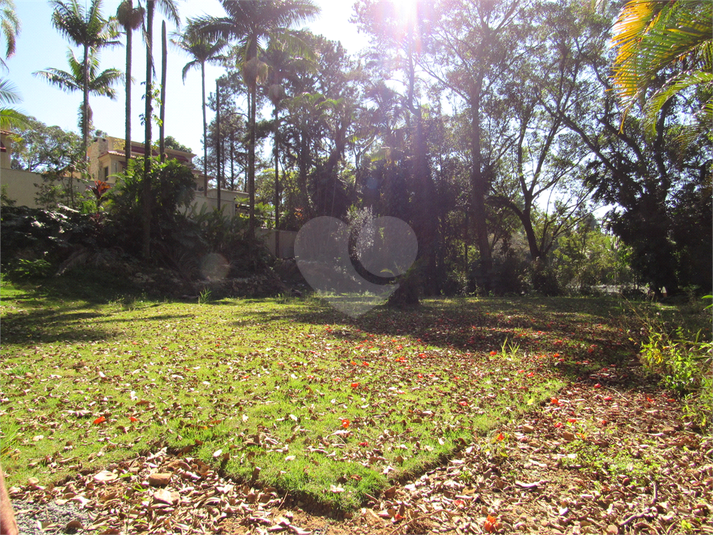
<point>171,191</point>
<point>685,364</point>
<point>544,278</point>
<point>34,241</point>
<point>227,236</point>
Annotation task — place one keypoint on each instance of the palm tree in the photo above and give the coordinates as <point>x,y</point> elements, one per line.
<point>130,18</point>
<point>9,26</point>
<point>77,78</point>
<point>250,22</point>
<point>9,117</point>
<point>169,8</point>
<point>202,51</point>
<point>654,39</point>
<point>88,80</point>
<point>283,60</point>
<point>89,30</point>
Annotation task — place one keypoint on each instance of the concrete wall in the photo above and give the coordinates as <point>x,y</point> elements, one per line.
<point>287,241</point>
<point>20,186</point>
<point>228,201</point>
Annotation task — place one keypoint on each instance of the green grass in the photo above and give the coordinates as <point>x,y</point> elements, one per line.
<point>328,408</point>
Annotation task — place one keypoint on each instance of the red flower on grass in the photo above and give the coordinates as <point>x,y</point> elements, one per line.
<point>345,423</point>
<point>99,420</point>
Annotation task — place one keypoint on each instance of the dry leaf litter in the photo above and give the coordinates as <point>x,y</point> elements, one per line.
<point>595,460</point>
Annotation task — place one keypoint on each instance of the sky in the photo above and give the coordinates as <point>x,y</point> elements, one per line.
<point>40,46</point>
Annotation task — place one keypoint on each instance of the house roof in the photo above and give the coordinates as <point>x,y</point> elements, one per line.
<point>180,157</point>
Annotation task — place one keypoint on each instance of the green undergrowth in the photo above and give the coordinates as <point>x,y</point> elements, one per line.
<point>282,392</point>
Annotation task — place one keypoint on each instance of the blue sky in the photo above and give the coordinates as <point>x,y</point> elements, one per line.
<point>40,46</point>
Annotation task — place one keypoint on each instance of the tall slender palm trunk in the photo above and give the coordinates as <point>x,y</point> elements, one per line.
<point>127,106</point>
<point>85,109</point>
<point>251,164</point>
<point>205,135</point>
<point>218,145</point>
<point>277,186</point>
<point>164,64</point>
<point>146,189</point>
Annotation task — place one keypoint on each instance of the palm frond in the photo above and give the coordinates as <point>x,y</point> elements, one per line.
<point>8,93</point>
<point>673,87</point>
<point>651,37</point>
<point>103,82</point>
<point>11,118</point>
<point>9,26</point>
<point>59,78</point>
<point>170,9</point>
<point>100,83</point>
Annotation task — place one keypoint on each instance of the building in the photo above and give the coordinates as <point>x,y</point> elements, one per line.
<point>107,157</point>
<point>106,161</point>
<point>19,186</point>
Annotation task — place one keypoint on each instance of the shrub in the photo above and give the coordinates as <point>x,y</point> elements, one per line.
<point>34,241</point>
<point>685,364</point>
<point>171,191</point>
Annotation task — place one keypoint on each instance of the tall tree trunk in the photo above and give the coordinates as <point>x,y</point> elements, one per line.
<point>85,105</point>
<point>232,160</point>
<point>479,186</point>
<point>205,135</point>
<point>85,121</point>
<point>162,127</point>
<point>218,143</point>
<point>465,243</point>
<point>146,190</point>
<point>251,162</point>
<point>127,105</point>
<point>277,187</point>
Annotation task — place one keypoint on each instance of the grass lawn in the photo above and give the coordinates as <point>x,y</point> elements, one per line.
<point>289,393</point>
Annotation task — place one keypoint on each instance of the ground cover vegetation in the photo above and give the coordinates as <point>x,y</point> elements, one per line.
<point>284,394</point>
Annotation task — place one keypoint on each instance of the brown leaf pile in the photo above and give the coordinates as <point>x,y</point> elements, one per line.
<point>553,472</point>
<point>162,493</point>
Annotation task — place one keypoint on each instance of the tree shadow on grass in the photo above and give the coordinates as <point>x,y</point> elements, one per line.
<point>52,325</point>
<point>576,337</point>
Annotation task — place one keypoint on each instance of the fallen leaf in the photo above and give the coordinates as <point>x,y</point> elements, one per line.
<point>105,476</point>
<point>165,496</point>
<point>159,479</point>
